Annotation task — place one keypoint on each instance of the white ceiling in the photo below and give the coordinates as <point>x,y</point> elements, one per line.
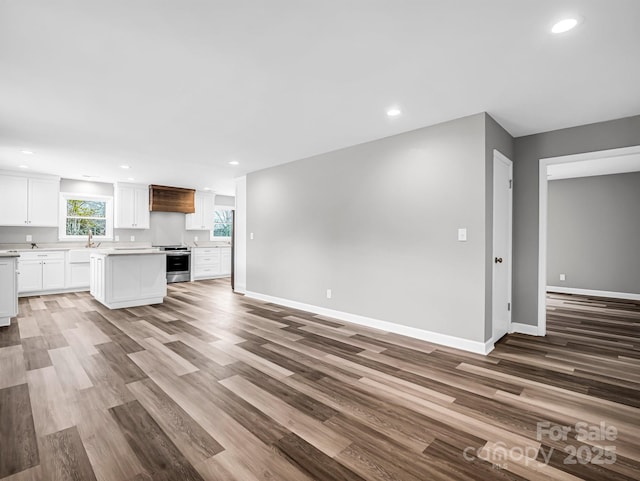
<point>178,88</point>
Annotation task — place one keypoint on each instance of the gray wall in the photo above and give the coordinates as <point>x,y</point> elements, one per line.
<point>593,233</point>
<point>495,138</point>
<point>528,151</point>
<point>227,200</point>
<point>377,223</point>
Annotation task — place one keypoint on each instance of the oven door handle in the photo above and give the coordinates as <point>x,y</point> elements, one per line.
<point>176,254</point>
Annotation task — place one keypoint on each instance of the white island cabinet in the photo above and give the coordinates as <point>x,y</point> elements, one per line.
<point>128,278</point>
<point>8,287</point>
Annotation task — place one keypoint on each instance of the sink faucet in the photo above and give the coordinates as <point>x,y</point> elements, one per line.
<point>90,241</point>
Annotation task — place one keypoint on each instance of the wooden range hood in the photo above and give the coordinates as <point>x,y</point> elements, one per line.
<point>171,199</point>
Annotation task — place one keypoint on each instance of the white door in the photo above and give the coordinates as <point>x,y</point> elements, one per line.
<point>30,276</point>
<point>43,202</point>
<point>125,200</point>
<point>502,208</point>
<point>13,200</point>
<point>142,207</point>
<point>53,274</point>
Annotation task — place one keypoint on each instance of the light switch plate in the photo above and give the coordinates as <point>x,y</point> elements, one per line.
<point>563,277</point>
<point>328,293</point>
<point>195,238</point>
<point>462,235</point>
<point>133,238</point>
<point>251,236</point>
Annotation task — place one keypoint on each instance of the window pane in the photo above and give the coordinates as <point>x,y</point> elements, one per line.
<point>83,226</point>
<point>222,217</point>
<point>222,230</point>
<point>86,208</point>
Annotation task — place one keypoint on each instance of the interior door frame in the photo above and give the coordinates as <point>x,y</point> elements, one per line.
<point>543,214</point>
<point>500,157</point>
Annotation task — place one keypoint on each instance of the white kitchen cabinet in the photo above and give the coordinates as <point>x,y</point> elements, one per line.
<point>210,262</point>
<point>206,262</point>
<point>29,201</point>
<point>9,290</point>
<point>43,202</point>
<point>225,261</point>
<point>13,200</point>
<point>41,271</point>
<point>121,280</point>
<point>202,219</point>
<point>131,206</point>
<point>78,269</point>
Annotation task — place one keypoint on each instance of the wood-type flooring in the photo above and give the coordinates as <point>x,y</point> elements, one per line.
<point>215,386</point>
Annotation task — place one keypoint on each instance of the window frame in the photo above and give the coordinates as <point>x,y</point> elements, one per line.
<point>62,222</point>
<point>213,237</point>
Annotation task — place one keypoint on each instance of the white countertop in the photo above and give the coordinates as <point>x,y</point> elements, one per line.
<point>127,252</point>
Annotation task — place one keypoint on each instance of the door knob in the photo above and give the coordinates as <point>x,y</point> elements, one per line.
<point>498,260</point>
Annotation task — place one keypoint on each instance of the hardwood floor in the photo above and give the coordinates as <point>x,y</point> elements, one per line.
<point>214,386</point>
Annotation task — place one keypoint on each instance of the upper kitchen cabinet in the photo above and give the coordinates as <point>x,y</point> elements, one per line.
<point>29,200</point>
<point>202,219</point>
<point>131,206</point>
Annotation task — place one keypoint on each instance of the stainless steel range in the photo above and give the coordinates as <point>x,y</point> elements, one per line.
<point>178,263</point>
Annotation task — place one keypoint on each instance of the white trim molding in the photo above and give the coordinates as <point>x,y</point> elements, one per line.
<point>591,292</point>
<point>429,336</point>
<point>528,329</point>
<point>542,219</point>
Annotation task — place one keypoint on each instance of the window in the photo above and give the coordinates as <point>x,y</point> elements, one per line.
<point>222,223</point>
<point>81,213</point>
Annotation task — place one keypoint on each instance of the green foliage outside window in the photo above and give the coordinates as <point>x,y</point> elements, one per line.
<point>222,223</point>
<point>84,216</point>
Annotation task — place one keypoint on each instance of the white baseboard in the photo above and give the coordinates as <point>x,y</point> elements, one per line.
<point>591,292</point>
<point>429,336</point>
<point>524,329</point>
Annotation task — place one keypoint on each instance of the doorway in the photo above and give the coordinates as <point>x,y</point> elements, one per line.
<point>502,241</point>
<point>603,162</point>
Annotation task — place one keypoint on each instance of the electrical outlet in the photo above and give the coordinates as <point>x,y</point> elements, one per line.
<point>195,238</point>
<point>563,277</point>
<point>29,238</point>
<point>133,238</point>
<point>328,293</point>
<point>251,236</point>
<point>117,238</point>
<point>462,235</point>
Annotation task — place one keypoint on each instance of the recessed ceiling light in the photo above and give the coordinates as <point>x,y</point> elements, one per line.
<point>125,166</point>
<point>207,188</point>
<point>564,25</point>
<point>26,152</point>
<point>23,166</point>
<point>234,162</point>
<point>394,112</point>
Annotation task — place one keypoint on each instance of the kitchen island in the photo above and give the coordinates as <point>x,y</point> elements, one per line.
<point>122,278</point>
<point>8,287</point>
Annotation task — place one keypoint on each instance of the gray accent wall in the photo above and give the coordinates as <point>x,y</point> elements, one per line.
<point>593,229</point>
<point>528,151</point>
<point>377,223</point>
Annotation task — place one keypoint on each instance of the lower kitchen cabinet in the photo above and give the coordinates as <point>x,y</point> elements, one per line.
<point>41,271</point>
<point>9,291</point>
<point>78,269</point>
<point>211,262</point>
